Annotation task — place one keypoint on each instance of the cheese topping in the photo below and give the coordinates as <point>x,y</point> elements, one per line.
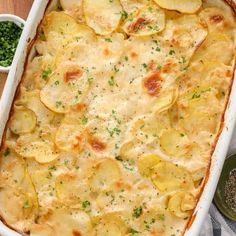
<point>117,116</point>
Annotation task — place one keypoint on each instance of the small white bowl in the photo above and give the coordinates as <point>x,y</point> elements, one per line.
<point>18,21</point>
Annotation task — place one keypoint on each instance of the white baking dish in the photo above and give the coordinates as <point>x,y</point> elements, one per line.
<point>218,156</point>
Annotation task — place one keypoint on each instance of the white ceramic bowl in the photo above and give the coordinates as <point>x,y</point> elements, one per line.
<point>18,21</point>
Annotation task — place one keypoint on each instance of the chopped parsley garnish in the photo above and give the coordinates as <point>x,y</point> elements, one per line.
<point>137,212</point>
<point>46,73</point>
<point>86,204</point>
<point>145,65</point>
<point>133,231</point>
<point>108,40</point>
<point>26,204</point>
<point>7,152</point>
<point>113,131</point>
<point>111,81</point>
<point>172,52</point>
<point>84,120</point>
<point>58,104</point>
<point>90,80</point>
<point>162,217</point>
<point>128,165</point>
<point>66,162</point>
<point>124,15</point>
<point>9,37</point>
<point>52,168</point>
<point>126,58</point>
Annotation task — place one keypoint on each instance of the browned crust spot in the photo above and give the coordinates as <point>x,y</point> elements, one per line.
<point>152,83</point>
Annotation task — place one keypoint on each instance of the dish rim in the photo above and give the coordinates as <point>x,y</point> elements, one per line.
<point>221,145</point>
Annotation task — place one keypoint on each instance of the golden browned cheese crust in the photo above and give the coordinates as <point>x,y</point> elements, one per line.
<point>116,118</point>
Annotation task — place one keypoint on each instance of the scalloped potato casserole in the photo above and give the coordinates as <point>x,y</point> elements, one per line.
<point>116,117</point>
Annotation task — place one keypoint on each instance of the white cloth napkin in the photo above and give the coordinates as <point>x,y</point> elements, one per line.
<point>216,224</point>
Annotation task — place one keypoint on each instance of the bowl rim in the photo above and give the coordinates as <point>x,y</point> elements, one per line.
<point>18,21</point>
<point>219,198</point>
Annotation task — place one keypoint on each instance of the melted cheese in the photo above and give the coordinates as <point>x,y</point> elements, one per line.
<point>114,126</point>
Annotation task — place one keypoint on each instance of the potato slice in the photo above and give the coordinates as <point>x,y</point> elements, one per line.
<point>217,46</point>
<point>75,222</point>
<point>146,163</point>
<point>14,169</point>
<point>68,4</point>
<point>59,22</point>
<point>111,224</point>
<point>24,204</point>
<point>66,87</point>
<point>130,6</point>
<point>200,103</point>
<point>146,21</point>
<point>70,189</point>
<point>166,101</point>
<point>155,219</point>
<point>44,185</point>
<point>184,6</point>
<point>175,143</point>
<point>218,19</point>
<point>199,174</point>
<point>69,137</point>
<point>181,204</point>
<point>60,29</point>
<point>19,207</point>
<point>32,101</point>
<point>43,152</point>
<point>106,172</point>
<point>102,15</point>
<point>169,177</point>
<point>151,127</point>
<point>41,229</point>
<point>23,120</point>
<point>127,150</point>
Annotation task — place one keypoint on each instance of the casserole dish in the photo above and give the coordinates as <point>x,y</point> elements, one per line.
<point>217,157</point>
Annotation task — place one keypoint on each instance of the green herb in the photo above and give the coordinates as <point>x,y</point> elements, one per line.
<point>58,104</point>
<point>118,158</point>
<point>9,37</point>
<point>124,15</point>
<point>90,80</point>
<point>7,152</point>
<point>52,168</point>
<point>84,120</point>
<point>137,212</point>
<point>56,82</point>
<point>133,231</point>
<point>145,65</point>
<point>162,217</point>
<point>172,52</point>
<point>113,131</point>
<point>116,69</point>
<point>46,73</point>
<point>108,40</point>
<point>26,204</point>
<point>111,81</point>
<point>85,204</point>
<point>128,165</point>
<point>126,58</point>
